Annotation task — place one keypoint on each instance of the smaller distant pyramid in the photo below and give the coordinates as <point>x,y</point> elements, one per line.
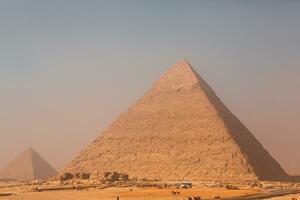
<point>29,165</point>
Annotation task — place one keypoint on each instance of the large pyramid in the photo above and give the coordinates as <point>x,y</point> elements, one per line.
<point>179,130</point>
<point>29,165</point>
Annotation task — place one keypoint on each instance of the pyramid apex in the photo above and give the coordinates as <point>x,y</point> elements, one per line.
<point>183,62</point>
<point>179,76</point>
<point>30,149</point>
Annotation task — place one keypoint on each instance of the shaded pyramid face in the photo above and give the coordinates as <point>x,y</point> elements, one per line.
<point>29,165</point>
<point>179,130</point>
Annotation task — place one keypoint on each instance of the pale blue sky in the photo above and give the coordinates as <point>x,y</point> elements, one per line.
<point>67,68</point>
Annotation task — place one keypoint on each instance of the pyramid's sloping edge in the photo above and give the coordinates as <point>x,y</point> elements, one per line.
<point>263,164</point>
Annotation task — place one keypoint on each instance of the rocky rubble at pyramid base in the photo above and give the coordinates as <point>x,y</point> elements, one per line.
<point>109,179</point>
<point>115,179</point>
<point>106,178</point>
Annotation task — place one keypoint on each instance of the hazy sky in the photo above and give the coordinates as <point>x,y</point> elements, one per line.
<point>68,68</point>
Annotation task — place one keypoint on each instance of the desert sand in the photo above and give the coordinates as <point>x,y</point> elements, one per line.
<point>287,197</point>
<point>127,193</point>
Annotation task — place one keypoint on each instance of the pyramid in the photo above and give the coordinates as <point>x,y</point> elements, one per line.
<point>29,165</point>
<point>179,130</point>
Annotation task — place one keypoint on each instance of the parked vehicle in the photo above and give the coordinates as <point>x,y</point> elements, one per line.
<point>186,185</point>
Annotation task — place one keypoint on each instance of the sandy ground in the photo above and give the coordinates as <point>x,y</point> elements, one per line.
<point>288,197</point>
<point>123,193</point>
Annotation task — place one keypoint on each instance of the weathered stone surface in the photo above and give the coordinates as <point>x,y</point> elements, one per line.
<point>28,166</point>
<point>179,130</point>
<point>115,176</point>
<point>67,176</point>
